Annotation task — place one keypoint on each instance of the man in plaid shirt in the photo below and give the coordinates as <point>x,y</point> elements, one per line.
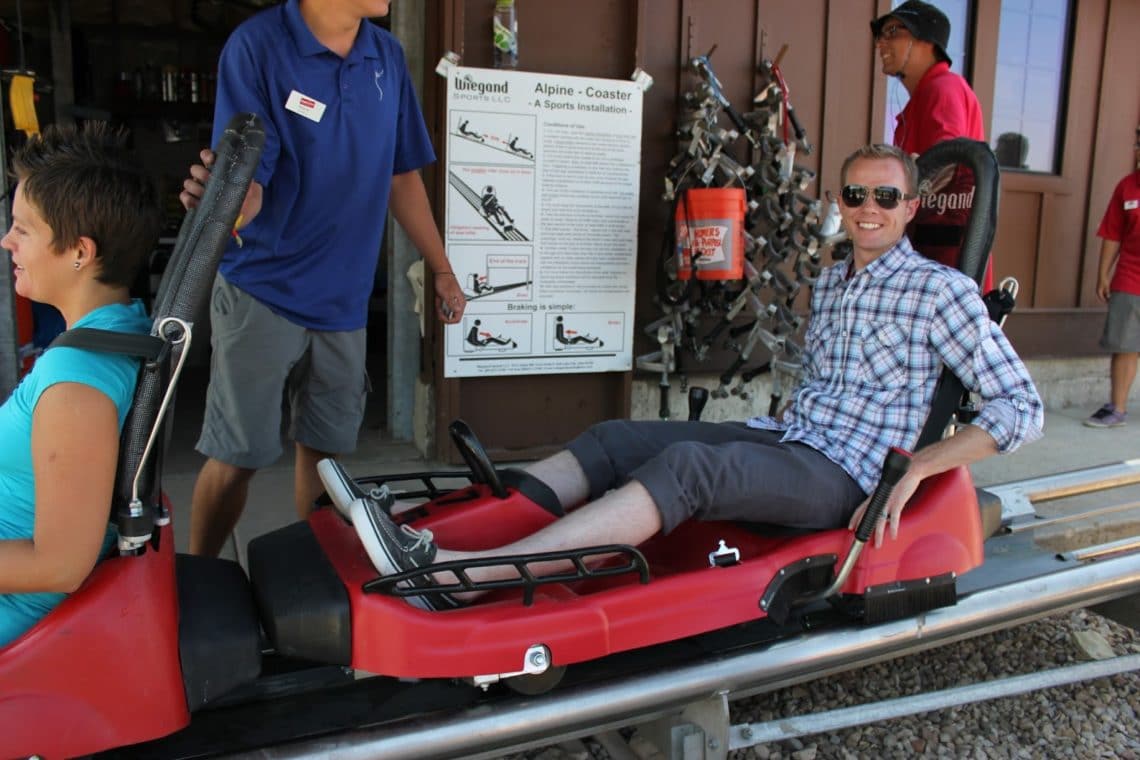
<point>883,324</point>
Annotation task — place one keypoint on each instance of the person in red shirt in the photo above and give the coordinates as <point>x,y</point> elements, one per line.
<point>911,41</point>
<point>1119,232</point>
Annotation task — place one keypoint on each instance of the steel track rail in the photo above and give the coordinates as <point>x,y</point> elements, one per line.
<point>580,711</point>
<point>1018,497</point>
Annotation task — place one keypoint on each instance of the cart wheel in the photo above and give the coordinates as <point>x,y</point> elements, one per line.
<point>533,684</point>
<point>482,470</point>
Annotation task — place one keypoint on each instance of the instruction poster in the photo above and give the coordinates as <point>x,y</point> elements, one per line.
<point>541,221</point>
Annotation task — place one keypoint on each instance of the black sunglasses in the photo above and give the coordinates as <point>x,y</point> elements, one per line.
<point>886,196</point>
<point>890,32</point>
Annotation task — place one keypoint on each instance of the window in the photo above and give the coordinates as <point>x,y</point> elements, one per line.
<point>1028,94</point>
<point>959,13</point>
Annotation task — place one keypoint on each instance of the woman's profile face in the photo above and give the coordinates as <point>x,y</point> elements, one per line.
<point>41,273</point>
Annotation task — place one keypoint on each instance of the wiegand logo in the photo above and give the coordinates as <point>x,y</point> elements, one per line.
<point>476,89</point>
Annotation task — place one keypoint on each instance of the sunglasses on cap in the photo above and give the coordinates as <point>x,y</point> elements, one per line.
<point>886,196</point>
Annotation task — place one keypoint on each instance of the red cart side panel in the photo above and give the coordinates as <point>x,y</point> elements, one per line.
<point>940,533</point>
<point>102,669</point>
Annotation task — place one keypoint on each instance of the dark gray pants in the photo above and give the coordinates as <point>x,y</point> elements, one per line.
<point>718,471</point>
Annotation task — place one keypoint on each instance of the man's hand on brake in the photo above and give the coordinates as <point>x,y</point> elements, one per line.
<point>896,503</point>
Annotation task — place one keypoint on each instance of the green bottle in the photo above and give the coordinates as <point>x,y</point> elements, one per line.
<point>505,37</point>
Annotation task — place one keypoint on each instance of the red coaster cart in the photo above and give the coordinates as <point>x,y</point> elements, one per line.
<point>165,655</point>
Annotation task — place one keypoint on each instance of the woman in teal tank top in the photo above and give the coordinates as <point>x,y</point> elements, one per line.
<point>84,219</point>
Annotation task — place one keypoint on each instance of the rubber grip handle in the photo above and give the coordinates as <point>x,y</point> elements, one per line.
<point>698,397</point>
<point>735,117</point>
<point>898,461</point>
<point>728,374</point>
<point>797,128</point>
<point>714,333</point>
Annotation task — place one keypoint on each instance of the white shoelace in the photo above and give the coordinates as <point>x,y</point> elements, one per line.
<point>423,538</point>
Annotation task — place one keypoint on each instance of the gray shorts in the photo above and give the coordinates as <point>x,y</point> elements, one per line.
<point>718,471</point>
<point>1122,325</point>
<point>259,359</point>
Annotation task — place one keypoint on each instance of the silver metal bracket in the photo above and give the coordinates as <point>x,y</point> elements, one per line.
<point>724,555</point>
<point>536,660</point>
<point>698,732</point>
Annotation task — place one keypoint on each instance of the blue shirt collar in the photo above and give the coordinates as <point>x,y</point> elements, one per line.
<point>307,44</point>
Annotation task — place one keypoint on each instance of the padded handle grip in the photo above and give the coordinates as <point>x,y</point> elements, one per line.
<point>898,461</point>
<point>698,397</point>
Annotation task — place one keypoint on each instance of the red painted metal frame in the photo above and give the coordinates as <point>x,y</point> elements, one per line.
<point>102,669</point>
<point>940,532</point>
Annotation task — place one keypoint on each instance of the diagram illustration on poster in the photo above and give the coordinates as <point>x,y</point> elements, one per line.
<point>492,138</point>
<point>493,273</point>
<point>496,333</point>
<point>585,332</point>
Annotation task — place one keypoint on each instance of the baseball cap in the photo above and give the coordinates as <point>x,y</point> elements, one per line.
<point>923,21</point>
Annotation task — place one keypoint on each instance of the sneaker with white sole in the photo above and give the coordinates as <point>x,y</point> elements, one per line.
<point>340,486</point>
<point>398,548</point>
<point>1106,417</point>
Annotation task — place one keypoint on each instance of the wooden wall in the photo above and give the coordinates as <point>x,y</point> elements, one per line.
<point>1046,226</point>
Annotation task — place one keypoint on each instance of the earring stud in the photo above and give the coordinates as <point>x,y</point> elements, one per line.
<point>77,266</point>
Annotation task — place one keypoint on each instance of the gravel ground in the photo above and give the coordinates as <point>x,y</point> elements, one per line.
<point>1090,719</point>
<point>1093,719</point>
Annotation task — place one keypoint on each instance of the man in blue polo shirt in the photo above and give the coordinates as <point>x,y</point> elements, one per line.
<point>345,141</point>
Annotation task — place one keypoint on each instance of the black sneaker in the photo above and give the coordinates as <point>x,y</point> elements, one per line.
<point>1107,416</point>
<point>397,548</point>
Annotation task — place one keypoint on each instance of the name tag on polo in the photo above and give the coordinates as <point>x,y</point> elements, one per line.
<point>310,108</point>
<point>1130,205</point>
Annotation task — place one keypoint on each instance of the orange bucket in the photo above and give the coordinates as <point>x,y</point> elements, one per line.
<point>711,221</point>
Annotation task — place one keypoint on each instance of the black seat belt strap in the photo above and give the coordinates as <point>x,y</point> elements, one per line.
<point>148,347</point>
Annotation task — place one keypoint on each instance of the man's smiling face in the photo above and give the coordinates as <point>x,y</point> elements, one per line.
<point>872,228</point>
<point>893,45</point>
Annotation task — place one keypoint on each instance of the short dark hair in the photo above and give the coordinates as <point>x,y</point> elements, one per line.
<point>880,152</point>
<point>85,183</point>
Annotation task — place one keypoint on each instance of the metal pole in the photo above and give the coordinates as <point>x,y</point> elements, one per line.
<point>402,363</point>
<point>751,734</point>
<point>1017,498</point>
<point>9,342</point>
<point>1103,550</point>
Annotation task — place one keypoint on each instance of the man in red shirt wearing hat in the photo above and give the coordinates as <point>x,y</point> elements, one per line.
<point>911,41</point>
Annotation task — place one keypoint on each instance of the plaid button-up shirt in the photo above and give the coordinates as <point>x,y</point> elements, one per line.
<point>873,352</point>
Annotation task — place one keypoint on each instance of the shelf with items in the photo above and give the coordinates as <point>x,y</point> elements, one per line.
<point>148,72</point>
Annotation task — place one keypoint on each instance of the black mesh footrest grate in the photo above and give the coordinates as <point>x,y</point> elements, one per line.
<point>390,584</point>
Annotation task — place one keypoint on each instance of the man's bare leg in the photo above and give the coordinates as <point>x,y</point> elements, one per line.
<point>627,515</point>
<point>307,485</point>
<point>219,497</point>
<point>1123,373</point>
